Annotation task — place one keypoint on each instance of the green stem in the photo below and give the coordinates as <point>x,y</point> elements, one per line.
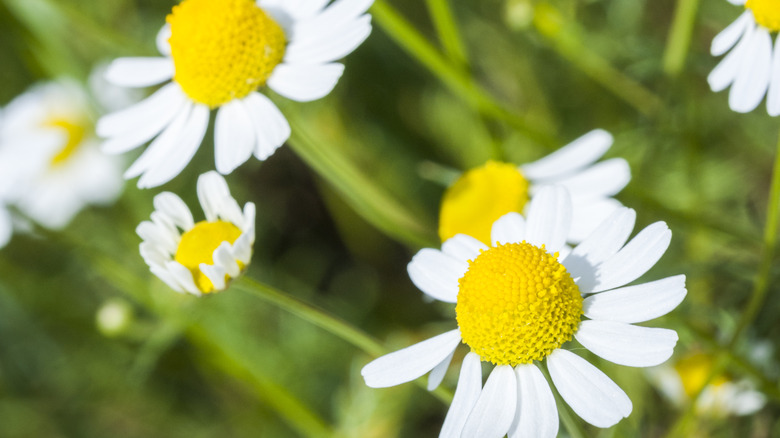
<point>757,298</point>
<point>323,320</point>
<point>679,40</point>
<point>566,38</point>
<point>416,45</point>
<point>447,29</point>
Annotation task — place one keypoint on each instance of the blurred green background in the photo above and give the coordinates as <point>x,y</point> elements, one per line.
<point>342,209</point>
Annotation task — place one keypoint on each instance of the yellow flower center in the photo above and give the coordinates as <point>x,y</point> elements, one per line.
<point>197,246</point>
<point>516,304</point>
<point>75,133</point>
<point>694,371</point>
<point>479,197</point>
<point>223,49</point>
<point>766,13</point>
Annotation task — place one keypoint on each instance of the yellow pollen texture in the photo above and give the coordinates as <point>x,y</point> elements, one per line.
<point>479,197</point>
<point>766,13</point>
<point>198,244</point>
<point>516,304</point>
<point>75,133</point>
<point>223,49</point>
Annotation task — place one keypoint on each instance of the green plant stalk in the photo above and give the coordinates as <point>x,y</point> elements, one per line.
<point>447,29</point>
<point>680,33</point>
<point>757,297</point>
<point>459,82</point>
<point>566,39</point>
<point>325,321</point>
<point>368,199</point>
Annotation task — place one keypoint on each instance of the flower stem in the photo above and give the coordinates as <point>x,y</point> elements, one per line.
<point>447,29</point>
<point>680,36</point>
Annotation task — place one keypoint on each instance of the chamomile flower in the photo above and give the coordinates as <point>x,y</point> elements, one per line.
<point>484,194</point>
<point>201,257</point>
<point>723,396</point>
<point>752,66</point>
<point>217,54</point>
<point>517,304</point>
<point>50,162</point>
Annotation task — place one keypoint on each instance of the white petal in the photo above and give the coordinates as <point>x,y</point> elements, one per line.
<point>6,227</point>
<point>494,411</point>
<point>638,303</point>
<point>335,15</point>
<point>271,128</point>
<point>134,126</point>
<point>183,277</point>
<point>626,344</point>
<point>603,243</point>
<point>172,205</point>
<point>509,228</point>
<point>600,180</point>
<point>167,278</point>
<point>305,83</point>
<point>636,258</point>
<point>152,233</point>
<point>549,218</point>
<point>330,46</point>
<point>411,362</point>
<point>139,72</point>
<point>437,274</point>
<point>725,72</point>
<point>438,372</point>
<point>213,192</point>
<point>753,76</point>
<point>729,36</point>
<point>590,393</point>
<point>587,215</point>
<point>537,415</point>
<point>173,160</point>
<point>242,248</point>
<point>162,40</point>
<point>576,155</point>
<point>463,247</point>
<point>224,259</point>
<point>154,255</point>
<point>169,139</point>
<point>737,2</point>
<point>466,395</point>
<point>215,274</point>
<point>773,95</point>
<point>234,136</point>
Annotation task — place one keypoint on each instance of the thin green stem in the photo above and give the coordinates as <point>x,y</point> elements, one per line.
<point>447,29</point>
<point>680,33</point>
<point>325,321</point>
<point>757,297</point>
<point>566,38</point>
<point>416,45</point>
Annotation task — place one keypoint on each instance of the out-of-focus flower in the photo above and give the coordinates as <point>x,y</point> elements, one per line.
<point>517,304</point>
<point>484,194</point>
<point>50,162</point>
<point>752,66</point>
<point>722,397</point>
<point>217,55</point>
<point>114,317</point>
<point>199,257</point>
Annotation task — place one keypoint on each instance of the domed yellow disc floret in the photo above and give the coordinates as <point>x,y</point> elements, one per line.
<point>766,12</point>
<point>75,133</point>
<point>479,197</point>
<point>516,304</point>
<point>223,49</point>
<point>198,244</point>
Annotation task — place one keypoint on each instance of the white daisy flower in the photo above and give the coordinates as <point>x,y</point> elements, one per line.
<point>200,257</point>
<point>752,66</point>
<point>50,162</point>
<point>723,396</point>
<point>216,55</point>
<point>516,305</point>
<point>484,194</point>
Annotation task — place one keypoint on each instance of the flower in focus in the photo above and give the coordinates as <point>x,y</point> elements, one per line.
<point>482,195</point>
<point>50,162</point>
<point>752,66</point>
<point>200,257</point>
<point>723,396</point>
<point>517,302</point>
<point>216,55</point>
